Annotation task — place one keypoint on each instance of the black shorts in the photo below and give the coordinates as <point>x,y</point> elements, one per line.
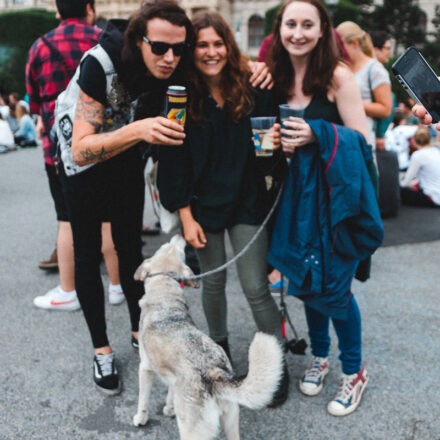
<point>63,191</point>
<point>58,195</point>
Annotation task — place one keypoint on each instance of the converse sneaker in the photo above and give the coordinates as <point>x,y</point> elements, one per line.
<point>349,395</point>
<point>313,380</point>
<point>57,299</point>
<point>115,294</point>
<point>105,374</point>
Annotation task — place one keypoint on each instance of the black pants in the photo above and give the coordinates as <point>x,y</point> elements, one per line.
<point>111,190</point>
<point>413,197</point>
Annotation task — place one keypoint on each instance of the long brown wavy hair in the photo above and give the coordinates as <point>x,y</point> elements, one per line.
<point>234,83</point>
<point>323,60</point>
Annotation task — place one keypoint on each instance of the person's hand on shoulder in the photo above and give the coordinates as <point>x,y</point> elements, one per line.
<point>260,75</point>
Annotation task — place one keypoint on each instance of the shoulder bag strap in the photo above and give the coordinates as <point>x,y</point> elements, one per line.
<point>58,55</point>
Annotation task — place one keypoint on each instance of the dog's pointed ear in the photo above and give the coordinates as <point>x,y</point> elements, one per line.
<point>187,272</point>
<point>143,270</point>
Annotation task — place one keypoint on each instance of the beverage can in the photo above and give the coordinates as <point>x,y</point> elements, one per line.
<point>175,107</point>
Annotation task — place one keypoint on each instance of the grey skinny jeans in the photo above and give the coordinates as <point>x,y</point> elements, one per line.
<point>252,275</point>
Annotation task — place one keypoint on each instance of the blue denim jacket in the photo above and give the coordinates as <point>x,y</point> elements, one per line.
<point>328,218</point>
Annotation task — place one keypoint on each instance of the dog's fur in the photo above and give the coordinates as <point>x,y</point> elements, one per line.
<point>203,389</point>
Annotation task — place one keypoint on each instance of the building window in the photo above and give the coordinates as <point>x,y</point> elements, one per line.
<point>256,31</point>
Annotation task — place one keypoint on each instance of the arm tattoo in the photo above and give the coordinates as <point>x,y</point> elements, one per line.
<point>90,156</point>
<point>90,111</point>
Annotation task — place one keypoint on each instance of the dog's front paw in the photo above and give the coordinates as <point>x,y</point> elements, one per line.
<point>168,411</point>
<point>141,418</point>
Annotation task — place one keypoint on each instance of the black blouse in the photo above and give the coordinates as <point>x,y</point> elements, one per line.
<point>216,170</point>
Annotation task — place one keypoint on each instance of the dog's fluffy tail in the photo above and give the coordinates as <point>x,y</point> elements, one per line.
<point>265,368</point>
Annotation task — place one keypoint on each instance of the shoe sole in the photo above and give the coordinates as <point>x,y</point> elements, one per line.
<point>116,303</point>
<point>52,266</point>
<point>313,392</point>
<point>60,308</point>
<point>353,407</point>
<point>107,392</point>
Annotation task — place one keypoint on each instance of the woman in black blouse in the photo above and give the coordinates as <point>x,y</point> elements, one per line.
<point>216,185</point>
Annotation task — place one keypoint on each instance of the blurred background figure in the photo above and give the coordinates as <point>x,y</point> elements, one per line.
<point>372,78</point>
<point>397,138</point>
<point>26,135</point>
<point>6,136</point>
<point>382,50</point>
<point>421,184</point>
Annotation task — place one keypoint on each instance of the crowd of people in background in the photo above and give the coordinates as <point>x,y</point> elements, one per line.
<point>335,76</point>
<point>20,127</point>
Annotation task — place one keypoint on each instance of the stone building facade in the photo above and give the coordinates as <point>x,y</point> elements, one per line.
<point>244,16</point>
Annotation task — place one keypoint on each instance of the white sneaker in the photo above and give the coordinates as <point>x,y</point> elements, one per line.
<point>349,394</point>
<point>313,380</point>
<point>115,294</point>
<point>56,299</point>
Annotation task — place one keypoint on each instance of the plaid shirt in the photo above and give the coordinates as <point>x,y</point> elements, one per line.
<point>47,77</point>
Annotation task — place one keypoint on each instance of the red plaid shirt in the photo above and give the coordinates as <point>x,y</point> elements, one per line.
<point>47,77</point>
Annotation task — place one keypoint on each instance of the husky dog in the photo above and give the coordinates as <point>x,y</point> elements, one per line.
<point>202,388</point>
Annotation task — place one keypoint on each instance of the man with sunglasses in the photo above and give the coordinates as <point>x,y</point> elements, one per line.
<point>110,131</point>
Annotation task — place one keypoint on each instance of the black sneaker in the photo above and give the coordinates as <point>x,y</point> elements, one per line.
<point>134,343</point>
<point>282,391</point>
<point>105,374</point>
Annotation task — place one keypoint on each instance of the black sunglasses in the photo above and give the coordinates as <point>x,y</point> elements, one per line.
<point>161,48</point>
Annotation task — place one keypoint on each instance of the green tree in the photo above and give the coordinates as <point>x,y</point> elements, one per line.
<point>431,49</point>
<point>269,18</point>
<point>404,20</point>
<point>18,30</point>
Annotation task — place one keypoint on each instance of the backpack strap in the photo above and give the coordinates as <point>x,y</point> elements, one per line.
<point>56,53</point>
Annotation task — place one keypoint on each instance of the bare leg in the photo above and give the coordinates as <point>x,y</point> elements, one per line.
<point>66,263</point>
<point>145,382</point>
<point>110,255</point>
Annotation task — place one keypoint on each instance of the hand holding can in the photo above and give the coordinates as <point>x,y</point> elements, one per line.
<point>175,108</point>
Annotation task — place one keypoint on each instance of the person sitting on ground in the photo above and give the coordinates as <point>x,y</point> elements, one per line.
<point>11,118</point>
<point>397,138</point>
<point>421,184</point>
<point>6,136</point>
<point>26,135</point>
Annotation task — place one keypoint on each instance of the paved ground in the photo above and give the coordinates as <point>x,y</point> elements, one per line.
<point>46,388</point>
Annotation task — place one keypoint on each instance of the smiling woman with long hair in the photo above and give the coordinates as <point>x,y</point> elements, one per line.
<point>216,185</point>
<point>309,74</point>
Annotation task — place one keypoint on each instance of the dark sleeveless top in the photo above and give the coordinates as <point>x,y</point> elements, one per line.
<point>321,108</point>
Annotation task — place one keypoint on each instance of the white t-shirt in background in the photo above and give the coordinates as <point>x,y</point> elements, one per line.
<point>378,76</point>
<point>397,139</point>
<point>425,166</point>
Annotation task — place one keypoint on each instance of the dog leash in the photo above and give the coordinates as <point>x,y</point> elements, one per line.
<point>179,278</point>
<point>295,345</point>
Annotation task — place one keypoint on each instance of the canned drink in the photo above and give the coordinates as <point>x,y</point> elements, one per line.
<point>175,108</point>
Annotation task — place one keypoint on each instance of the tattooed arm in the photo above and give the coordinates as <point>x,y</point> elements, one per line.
<point>90,146</point>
